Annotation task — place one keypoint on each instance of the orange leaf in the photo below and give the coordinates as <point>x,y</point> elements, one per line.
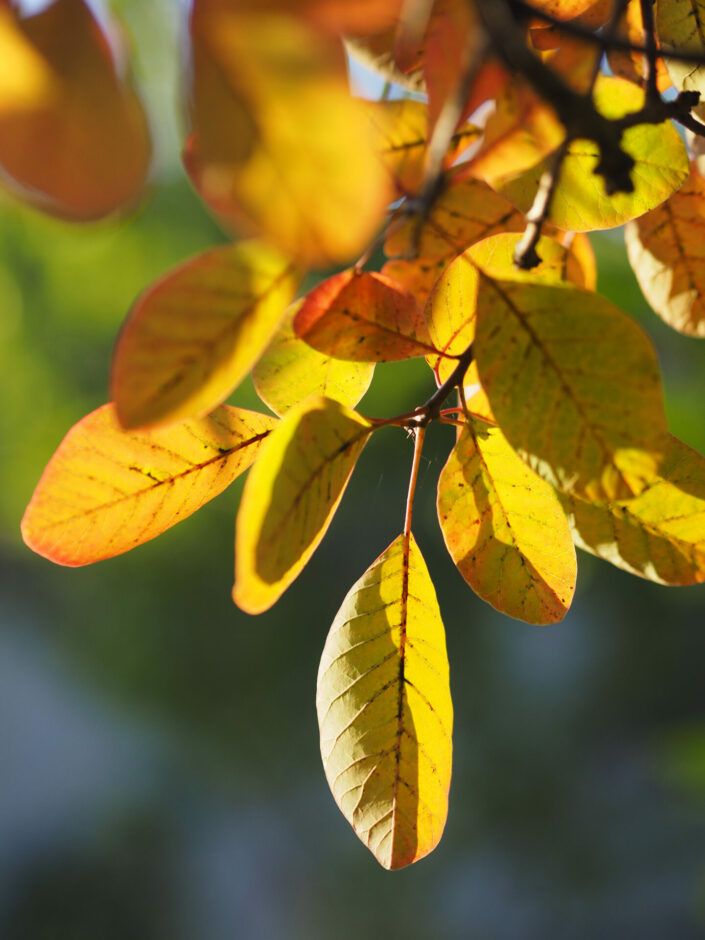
<point>666,249</point>
<point>74,139</point>
<point>365,317</point>
<point>359,17</point>
<point>106,490</point>
<point>193,336</point>
<point>278,145</point>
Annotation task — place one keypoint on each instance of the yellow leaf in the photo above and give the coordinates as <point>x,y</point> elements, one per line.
<point>563,9</point>
<point>466,212</point>
<point>505,529</point>
<point>74,139</point>
<point>290,370</point>
<point>290,498</point>
<point>192,337</point>
<point>659,535</point>
<point>681,25</point>
<point>666,249</point>
<point>573,382</point>
<point>277,142</point>
<point>402,136</point>
<point>362,316</point>
<point>580,202</point>
<point>384,708</point>
<point>106,490</point>
<point>451,307</point>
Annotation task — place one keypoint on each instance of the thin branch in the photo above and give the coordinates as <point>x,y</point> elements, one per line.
<point>419,434</point>
<point>525,254</point>
<point>647,18</point>
<point>618,43</point>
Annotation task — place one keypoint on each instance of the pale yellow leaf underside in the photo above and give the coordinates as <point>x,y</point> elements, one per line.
<point>291,496</point>
<point>384,708</point>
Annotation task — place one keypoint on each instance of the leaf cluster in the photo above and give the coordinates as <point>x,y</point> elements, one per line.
<point>554,394</point>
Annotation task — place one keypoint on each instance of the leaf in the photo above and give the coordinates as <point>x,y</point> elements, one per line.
<point>680,24</point>
<point>364,317</point>
<point>563,9</point>
<point>634,65</point>
<point>193,336</point>
<point>659,535</point>
<point>291,497</point>
<point>290,370</point>
<point>106,490</point>
<point>401,139</point>
<point>418,276</point>
<point>580,203</point>
<point>666,249</point>
<point>465,213</point>
<point>358,17</point>
<point>573,382</point>
<point>278,145</point>
<point>74,139</point>
<point>505,529</point>
<point>451,307</point>
<point>384,709</point>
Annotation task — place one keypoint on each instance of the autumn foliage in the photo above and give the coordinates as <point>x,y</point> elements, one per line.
<point>555,395</point>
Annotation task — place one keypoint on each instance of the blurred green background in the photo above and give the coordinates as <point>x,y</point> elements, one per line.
<point>159,765</point>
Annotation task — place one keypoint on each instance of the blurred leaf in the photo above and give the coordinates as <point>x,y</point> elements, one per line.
<point>364,317</point>
<point>106,490</point>
<point>667,252</point>
<point>277,142</point>
<point>505,529</point>
<point>358,17</point>
<point>291,497</point>
<point>290,370</point>
<point>580,202</point>
<point>384,708</point>
<point>659,535</point>
<point>74,139</point>
<point>193,336</point>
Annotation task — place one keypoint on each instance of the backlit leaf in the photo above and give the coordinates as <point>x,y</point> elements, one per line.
<point>659,535</point>
<point>505,529</point>
<point>666,249</point>
<point>681,25</point>
<point>417,276</point>
<point>290,498</point>
<point>74,139</point>
<point>402,136</point>
<point>278,144</point>
<point>106,490</point>
<point>384,708</point>
<point>580,202</point>
<point>450,310</point>
<point>364,317</point>
<point>290,370</point>
<point>573,382</point>
<point>563,9</point>
<point>192,337</point>
<point>634,65</point>
<point>358,17</point>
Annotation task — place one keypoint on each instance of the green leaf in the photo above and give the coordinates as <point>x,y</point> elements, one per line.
<point>291,496</point>
<point>505,529</point>
<point>384,708</point>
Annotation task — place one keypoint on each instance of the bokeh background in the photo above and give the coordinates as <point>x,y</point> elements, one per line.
<point>159,765</point>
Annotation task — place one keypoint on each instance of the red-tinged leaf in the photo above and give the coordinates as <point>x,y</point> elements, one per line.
<point>74,139</point>
<point>364,317</point>
<point>418,276</point>
<point>193,336</point>
<point>358,17</point>
<point>278,145</point>
<point>291,497</point>
<point>505,529</point>
<point>106,490</point>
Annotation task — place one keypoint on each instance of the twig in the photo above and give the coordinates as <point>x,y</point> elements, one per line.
<point>647,18</point>
<point>525,254</point>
